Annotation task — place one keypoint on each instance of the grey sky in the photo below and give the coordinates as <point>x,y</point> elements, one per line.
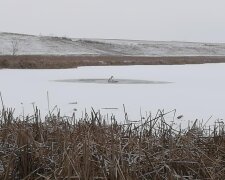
<point>181,20</point>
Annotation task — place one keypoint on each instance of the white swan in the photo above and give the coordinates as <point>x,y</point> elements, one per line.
<point>111,80</point>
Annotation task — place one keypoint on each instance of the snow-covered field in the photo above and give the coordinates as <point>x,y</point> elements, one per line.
<point>46,45</point>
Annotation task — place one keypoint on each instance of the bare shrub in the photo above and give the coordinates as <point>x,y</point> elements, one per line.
<point>15,46</point>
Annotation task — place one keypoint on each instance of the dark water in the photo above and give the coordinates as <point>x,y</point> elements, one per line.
<point>115,81</point>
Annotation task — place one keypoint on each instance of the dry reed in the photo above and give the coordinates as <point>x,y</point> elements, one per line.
<point>91,148</point>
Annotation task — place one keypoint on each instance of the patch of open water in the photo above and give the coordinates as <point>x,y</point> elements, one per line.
<point>113,81</point>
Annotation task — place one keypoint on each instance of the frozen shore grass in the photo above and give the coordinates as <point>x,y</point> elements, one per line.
<point>73,61</point>
<point>90,148</point>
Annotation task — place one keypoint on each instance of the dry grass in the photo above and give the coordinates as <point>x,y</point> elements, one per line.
<point>90,148</point>
<point>57,62</point>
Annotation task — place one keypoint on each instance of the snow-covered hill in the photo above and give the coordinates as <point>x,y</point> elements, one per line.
<point>46,45</point>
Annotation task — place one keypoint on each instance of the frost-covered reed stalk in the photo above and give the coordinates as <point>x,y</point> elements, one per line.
<point>91,148</point>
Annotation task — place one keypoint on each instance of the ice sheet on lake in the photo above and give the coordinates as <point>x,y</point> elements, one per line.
<point>197,91</point>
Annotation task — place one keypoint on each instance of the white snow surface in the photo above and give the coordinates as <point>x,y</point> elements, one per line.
<point>196,91</point>
<point>49,45</point>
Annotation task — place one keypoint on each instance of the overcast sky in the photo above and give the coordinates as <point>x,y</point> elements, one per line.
<point>180,20</point>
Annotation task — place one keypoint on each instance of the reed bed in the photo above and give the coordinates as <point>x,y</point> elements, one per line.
<point>94,148</point>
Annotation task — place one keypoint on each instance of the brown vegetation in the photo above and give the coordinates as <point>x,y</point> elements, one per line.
<point>57,62</point>
<point>90,148</point>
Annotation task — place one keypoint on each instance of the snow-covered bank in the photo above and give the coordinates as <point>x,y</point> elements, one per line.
<point>46,45</point>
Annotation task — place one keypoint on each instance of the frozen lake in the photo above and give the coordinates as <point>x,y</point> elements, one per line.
<point>195,91</point>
